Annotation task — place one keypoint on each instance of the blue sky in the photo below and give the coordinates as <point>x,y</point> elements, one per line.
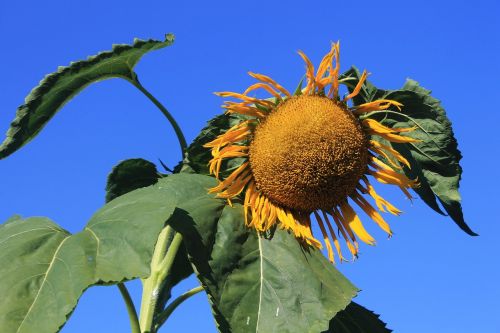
<point>430,277</point>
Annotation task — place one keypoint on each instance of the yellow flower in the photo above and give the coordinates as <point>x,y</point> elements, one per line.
<point>309,153</point>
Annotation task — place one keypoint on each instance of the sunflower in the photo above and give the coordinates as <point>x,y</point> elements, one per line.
<point>310,153</point>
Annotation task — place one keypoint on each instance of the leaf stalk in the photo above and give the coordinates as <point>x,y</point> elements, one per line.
<point>163,316</point>
<point>180,135</point>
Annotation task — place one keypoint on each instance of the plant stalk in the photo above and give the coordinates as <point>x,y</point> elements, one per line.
<point>166,248</point>
<point>132,314</point>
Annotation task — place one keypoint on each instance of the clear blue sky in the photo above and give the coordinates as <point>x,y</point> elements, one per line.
<point>430,277</point>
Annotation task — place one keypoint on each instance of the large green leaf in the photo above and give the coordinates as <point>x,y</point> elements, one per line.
<point>58,88</point>
<point>434,160</point>
<point>127,228</point>
<point>262,285</point>
<point>357,319</point>
<point>44,269</point>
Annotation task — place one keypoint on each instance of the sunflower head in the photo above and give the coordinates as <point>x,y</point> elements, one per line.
<point>310,154</point>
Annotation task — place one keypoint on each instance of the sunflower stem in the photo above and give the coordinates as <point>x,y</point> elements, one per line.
<point>163,109</point>
<point>163,316</point>
<point>166,249</point>
<point>132,314</point>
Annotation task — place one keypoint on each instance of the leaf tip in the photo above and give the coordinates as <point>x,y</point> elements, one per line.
<point>169,37</point>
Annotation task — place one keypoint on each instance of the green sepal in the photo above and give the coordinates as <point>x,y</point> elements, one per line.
<point>298,90</point>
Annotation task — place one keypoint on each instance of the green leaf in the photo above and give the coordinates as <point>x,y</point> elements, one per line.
<point>130,175</point>
<point>136,173</point>
<point>370,93</point>
<point>262,285</point>
<point>197,156</point>
<point>127,228</point>
<point>58,88</point>
<point>357,319</point>
<point>44,269</point>
<point>434,160</point>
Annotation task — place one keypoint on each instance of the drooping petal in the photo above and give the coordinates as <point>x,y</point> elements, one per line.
<point>311,83</point>
<point>406,192</point>
<point>245,98</point>
<point>355,224</point>
<point>334,73</point>
<point>324,66</point>
<point>381,203</point>
<point>386,171</point>
<point>386,177</point>
<point>265,87</point>
<point>236,187</point>
<point>358,87</point>
<point>334,237</point>
<point>273,83</point>
<point>243,109</point>
<point>371,212</point>
<point>344,229</point>
<point>381,104</point>
<point>379,148</point>
<point>375,128</point>
<point>326,239</point>
<point>247,202</point>
<point>241,171</point>
<point>379,128</point>
<point>234,134</point>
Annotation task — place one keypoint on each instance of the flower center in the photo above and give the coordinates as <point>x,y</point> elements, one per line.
<point>308,154</point>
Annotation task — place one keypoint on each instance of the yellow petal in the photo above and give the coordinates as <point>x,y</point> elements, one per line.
<point>309,74</point>
<point>231,178</point>
<point>355,224</point>
<point>381,203</point>
<point>381,104</point>
<point>356,90</point>
<point>243,109</point>
<point>334,237</point>
<point>371,212</point>
<point>379,128</point>
<point>273,83</point>
<point>325,237</point>
<point>245,98</point>
<point>352,244</point>
<point>265,87</point>
<point>334,74</point>
<point>379,146</point>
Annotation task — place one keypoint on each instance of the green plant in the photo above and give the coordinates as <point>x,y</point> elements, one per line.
<point>259,275</point>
